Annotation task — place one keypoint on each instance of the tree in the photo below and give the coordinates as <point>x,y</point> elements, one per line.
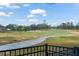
<point>33,27</point>
<point>62,26</point>
<point>27,28</point>
<point>20,28</point>
<point>68,25</point>
<point>12,27</point>
<point>2,28</point>
<point>43,26</point>
<point>77,26</point>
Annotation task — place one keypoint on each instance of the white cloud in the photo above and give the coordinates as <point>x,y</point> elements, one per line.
<point>25,5</point>
<point>11,13</point>
<point>44,15</point>
<point>15,6</point>
<point>31,15</point>
<point>39,12</point>
<point>2,14</point>
<point>9,5</point>
<point>33,20</point>
<point>1,7</point>
<point>21,20</point>
<point>72,20</point>
<point>69,20</point>
<point>6,14</point>
<point>4,4</point>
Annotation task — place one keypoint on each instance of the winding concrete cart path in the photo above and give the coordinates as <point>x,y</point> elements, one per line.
<point>22,44</point>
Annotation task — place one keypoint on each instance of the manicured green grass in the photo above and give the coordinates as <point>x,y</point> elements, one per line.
<point>54,32</point>
<point>64,40</point>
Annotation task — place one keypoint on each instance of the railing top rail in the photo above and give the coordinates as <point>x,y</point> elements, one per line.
<point>60,46</point>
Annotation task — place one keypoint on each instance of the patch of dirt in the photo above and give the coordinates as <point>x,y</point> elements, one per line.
<point>3,41</point>
<point>74,32</point>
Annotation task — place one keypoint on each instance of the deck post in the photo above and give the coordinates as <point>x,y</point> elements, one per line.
<point>76,51</point>
<point>46,49</point>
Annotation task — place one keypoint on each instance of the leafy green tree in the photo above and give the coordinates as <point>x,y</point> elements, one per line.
<point>12,27</point>
<point>77,26</point>
<point>43,26</point>
<point>27,28</point>
<point>33,27</point>
<point>20,28</point>
<point>68,25</point>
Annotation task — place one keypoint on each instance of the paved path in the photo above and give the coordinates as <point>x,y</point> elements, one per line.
<point>22,44</point>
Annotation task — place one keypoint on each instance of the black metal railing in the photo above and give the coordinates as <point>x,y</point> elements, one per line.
<point>42,50</point>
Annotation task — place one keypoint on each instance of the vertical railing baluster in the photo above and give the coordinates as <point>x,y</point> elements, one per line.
<point>34,51</point>
<point>52,49</point>
<point>15,52</point>
<point>56,50</point>
<point>46,49</point>
<point>37,51</point>
<point>59,51</point>
<point>19,51</point>
<point>31,51</point>
<point>49,50</point>
<point>27,52</point>
<point>67,51</point>
<point>23,52</point>
<point>76,51</point>
<point>40,50</point>
<point>63,51</point>
<point>10,52</point>
<point>4,53</point>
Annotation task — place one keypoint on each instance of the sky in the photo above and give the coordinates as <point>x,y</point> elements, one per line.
<point>35,13</point>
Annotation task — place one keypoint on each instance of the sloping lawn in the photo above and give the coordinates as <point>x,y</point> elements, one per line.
<point>64,41</point>
<point>15,36</point>
<point>54,32</point>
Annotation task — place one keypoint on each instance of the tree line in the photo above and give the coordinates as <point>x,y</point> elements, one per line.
<point>15,27</point>
<point>43,26</point>
<point>67,25</point>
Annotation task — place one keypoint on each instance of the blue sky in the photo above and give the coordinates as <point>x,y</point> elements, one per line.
<point>26,14</point>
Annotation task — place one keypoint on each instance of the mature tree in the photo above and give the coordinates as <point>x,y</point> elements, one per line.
<point>68,25</point>
<point>2,28</point>
<point>43,26</point>
<point>12,27</point>
<point>77,26</point>
<point>33,27</point>
<point>27,28</point>
<point>62,26</point>
<point>20,28</point>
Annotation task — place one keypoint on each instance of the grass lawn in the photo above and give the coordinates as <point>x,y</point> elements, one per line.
<point>69,41</point>
<point>53,34</point>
